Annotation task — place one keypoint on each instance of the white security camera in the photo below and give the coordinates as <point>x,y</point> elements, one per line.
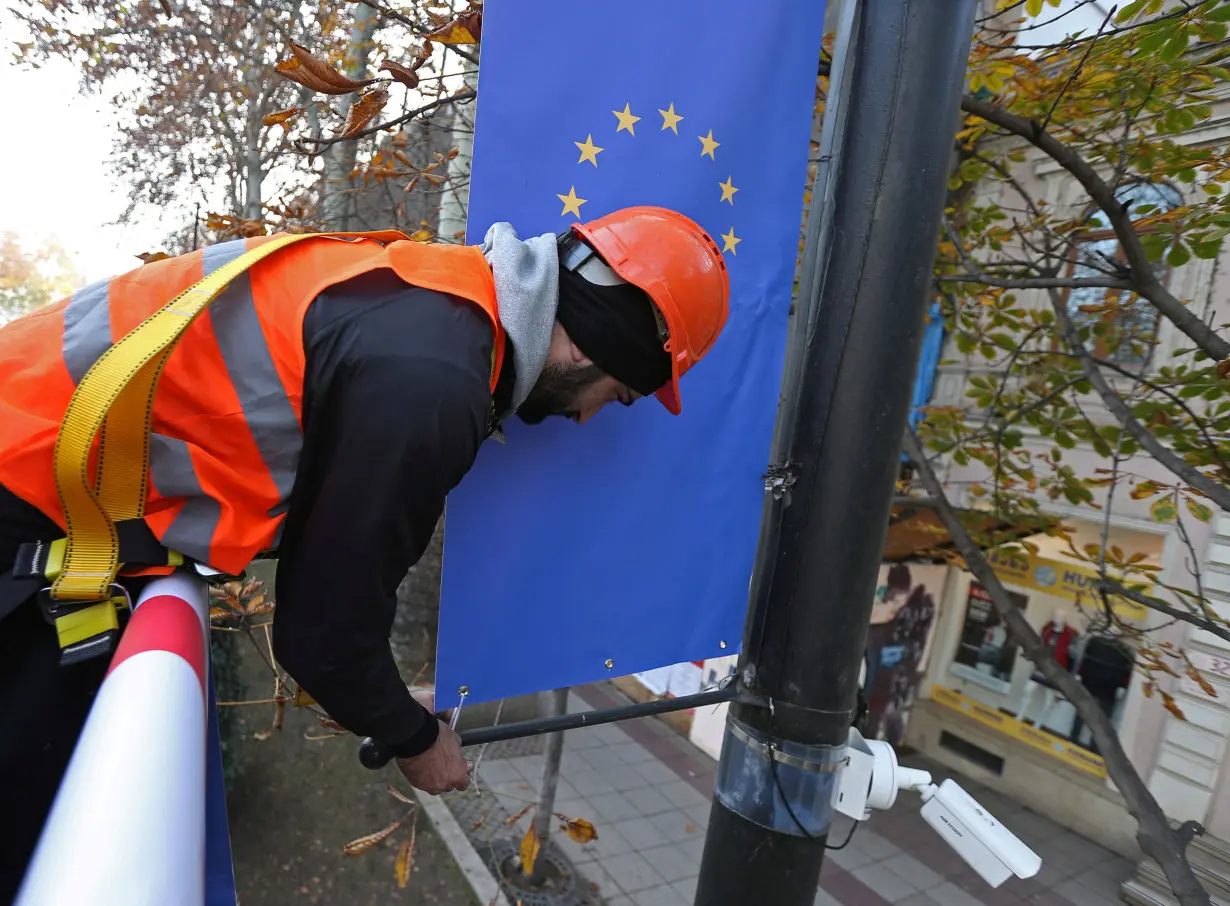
<point>870,779</point>
<point>990,848</point>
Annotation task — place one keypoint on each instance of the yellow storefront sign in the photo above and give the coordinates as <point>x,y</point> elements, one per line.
<point>1069,753</point>
<point>1055,577</point>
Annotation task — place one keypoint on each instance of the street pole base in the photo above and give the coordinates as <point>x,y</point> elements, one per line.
<point>745,863</point>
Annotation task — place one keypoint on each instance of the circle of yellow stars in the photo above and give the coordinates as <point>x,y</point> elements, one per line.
<point>627,123</point>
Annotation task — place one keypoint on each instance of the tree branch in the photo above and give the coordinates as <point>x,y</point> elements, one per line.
<point>1218,493</point>
<point>1111,587</point>
<point>415,27</point>
<point>1036,282</point>
<point>1144,280</point>
<point>1153,832</point>
<point>371,130</point>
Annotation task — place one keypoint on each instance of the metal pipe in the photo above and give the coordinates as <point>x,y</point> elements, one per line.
<point>858,329</point>
<point>550,779</point>
<point>374,755</point>
<point>128,824</point>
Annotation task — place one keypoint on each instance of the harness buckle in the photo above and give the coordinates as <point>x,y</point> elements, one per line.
<point>86,629</point>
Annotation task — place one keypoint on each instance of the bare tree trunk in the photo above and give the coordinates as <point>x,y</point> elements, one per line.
<point>339,158</point>
<point>1166,845</point>
<point>455,205</point>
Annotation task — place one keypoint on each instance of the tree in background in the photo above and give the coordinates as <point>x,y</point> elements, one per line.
<point>1058,306</point>
<point>29,279</point>
<point>204,118</point>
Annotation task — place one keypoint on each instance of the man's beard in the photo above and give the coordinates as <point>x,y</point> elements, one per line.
<point>556,391</point>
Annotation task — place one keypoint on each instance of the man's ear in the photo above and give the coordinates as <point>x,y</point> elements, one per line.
<point>563,350</point>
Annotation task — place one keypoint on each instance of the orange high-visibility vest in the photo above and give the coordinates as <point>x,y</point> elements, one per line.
<point>228,411</point>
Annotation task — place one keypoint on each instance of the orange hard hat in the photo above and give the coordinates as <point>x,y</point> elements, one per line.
<point>681,269</point>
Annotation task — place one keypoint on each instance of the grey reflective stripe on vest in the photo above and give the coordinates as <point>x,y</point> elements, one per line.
<point>87,328</point>
<point>194,525</point>
<point>266,408</point>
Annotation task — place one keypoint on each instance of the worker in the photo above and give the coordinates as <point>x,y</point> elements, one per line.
<point>321,409</point>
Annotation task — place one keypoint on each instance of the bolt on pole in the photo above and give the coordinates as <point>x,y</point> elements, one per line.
<point>895,87</point>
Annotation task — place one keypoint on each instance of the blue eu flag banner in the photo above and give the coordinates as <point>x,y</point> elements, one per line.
<point>575,553</point>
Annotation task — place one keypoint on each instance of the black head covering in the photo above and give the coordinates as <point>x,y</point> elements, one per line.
<point>616,328</point>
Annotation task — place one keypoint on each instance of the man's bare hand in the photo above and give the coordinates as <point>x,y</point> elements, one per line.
<point>441,769</point>
<point>427,698</point>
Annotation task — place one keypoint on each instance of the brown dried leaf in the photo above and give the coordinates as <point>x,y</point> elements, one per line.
<point>529,850</point>
<point>465,29</point>
<point>403,157</point>
<point>399,795</point>
<point>1198,678</point>
<point>220,613</point>
<point>302,698</point>
<point>255,602</point>
<point>1169,703</point>
<point>330,724</point>
<point>480,822</point>
<point>405,860</point>
<point>403,74</point>
<point>411,184</point>
<point>1223,368</point>
<point>580,830</point>
<point>147,257</point>
<point>517,817</point>
<point>317,74</point>
<point>280,117</point>
<point>363,844</point>
<point>364,110</point>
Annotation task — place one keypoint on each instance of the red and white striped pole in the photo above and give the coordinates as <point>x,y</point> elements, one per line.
<point>128,823</point>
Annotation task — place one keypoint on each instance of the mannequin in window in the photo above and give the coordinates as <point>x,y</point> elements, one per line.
<point>1040,696</point>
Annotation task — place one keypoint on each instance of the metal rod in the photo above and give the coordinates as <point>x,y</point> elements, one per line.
<point>846,397</point>
<point>374,755</point>
<point>550,779</point>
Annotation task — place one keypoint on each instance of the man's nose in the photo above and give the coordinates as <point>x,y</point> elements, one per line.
<point>585,415</point>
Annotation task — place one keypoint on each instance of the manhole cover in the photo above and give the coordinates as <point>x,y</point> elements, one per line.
<point>561,886</point>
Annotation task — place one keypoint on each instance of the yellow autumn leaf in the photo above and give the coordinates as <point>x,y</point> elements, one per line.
<point>405,861</point>
<point>363,844</point>
<point>529,850</point>
<point>580,830</point>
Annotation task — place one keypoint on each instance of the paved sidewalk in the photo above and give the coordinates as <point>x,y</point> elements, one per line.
<point>647,790</point>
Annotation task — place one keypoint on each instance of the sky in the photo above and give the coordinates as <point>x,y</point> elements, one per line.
<point>53,173</point>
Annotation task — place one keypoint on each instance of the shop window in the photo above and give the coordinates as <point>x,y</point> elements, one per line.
<point>1124,324</point>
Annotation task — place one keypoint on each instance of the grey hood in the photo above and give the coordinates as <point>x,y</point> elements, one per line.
<point>527,293</point>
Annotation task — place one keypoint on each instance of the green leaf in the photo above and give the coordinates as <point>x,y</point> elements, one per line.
<point>1175,46</point>
<point>1004,340</point>
<point>1154,245</point>
<point>1033,7</point>
<point>1199,510</point>
<point>1163,510</point>
<point>1064,439</point>
<point>1218,14</point>
<point>965,343</point>
<point>1130,11</point>
<point>1206,250</point>
<point>1178,255</point>
<point>1215,32</point>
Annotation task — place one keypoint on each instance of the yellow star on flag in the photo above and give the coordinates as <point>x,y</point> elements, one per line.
<point>728,190</point>
<point>572,204</point>
<point>626,119</point>
<point>589,151</point>
<point>670,119</point>
<point>729,240</point>
<point>708,145</point>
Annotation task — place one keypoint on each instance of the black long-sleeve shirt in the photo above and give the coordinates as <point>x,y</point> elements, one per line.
<point>396,404</point>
